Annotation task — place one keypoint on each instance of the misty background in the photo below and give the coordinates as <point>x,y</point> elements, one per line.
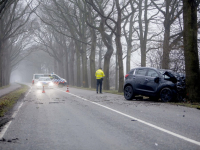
<point>73,38</point>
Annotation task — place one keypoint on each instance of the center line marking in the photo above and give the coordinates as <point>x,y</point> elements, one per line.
<point>141,121</point>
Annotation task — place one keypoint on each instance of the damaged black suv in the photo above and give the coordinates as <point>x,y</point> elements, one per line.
<point>152,83</point>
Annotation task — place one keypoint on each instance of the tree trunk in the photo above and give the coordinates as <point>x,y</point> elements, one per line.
<point>106,68</point>
<point>119,48</point>
<point>191,50</point>
<point>78,67</point>
<point>92,59</point>
<point>84,68</point>
<point>71,73</point>
<point>107,40</point>
<point>67,67</point>
<point>166,47</point>
<point>116,73</point>
<point>55,66</point>
<point>143,32</point>
<point>1,77</point>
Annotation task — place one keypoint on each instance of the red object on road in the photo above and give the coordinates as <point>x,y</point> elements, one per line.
<point>43,90</point>
<point>67,89</point>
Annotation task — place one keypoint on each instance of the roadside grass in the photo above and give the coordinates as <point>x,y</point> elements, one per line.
<point>3,87</point>
<point>7,102</point>
<point>112,91</point>
<point>187,104</point>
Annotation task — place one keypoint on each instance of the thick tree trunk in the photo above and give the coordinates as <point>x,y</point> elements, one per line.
<point>119,49</point>
<point>120,63</point>
<point>116,72</point>
<point>143,32</point>
<point>143,54</point>
<point>92,59</point>
<point>128,58</point>
<point>71,73</point>
<point>60,68</point>
<point>106,68</point>
<point>67,67</point>
<point>107,40</point>
<point>78,67</point>
<point>166,49</point>
<point>55,67</point>
<point>1,77</point>
<point>100,55</point>
<point>84,69</point>
<point>191,50</point>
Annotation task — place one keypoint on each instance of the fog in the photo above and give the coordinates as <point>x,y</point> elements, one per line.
<point>60,37</point>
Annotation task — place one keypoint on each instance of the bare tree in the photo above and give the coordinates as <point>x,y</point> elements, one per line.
<point>115,27</point>
<point>170,14</point>
<point>12,23</point>
<point>191,49</point>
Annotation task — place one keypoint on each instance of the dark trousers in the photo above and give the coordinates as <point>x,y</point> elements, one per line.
<point>99,83</point>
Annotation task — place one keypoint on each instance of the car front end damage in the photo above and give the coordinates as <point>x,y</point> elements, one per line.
<point>180,88</point>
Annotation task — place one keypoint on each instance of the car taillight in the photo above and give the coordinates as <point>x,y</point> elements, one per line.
<point>126,75</point>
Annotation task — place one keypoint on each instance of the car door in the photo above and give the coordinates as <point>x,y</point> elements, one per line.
<point>150,85</point>
<point>140,74</point>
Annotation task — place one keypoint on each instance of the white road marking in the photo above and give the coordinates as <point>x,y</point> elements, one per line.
<point>5,128</point>
<point>141,121</point>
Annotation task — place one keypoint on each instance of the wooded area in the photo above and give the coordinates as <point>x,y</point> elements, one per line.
<point>82,35</point>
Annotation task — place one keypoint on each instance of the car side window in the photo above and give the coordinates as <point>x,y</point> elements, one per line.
<point>141,72</point>
<point>152,73</point>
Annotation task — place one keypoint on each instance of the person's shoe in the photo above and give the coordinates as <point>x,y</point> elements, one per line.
<point>97,92</point>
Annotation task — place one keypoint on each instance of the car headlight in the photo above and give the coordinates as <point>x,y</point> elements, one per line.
<point>39,84</point>
<point>51,84</point>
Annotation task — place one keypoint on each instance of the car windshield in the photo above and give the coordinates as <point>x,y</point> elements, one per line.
<point>44,79</point>
<point>38,76</point>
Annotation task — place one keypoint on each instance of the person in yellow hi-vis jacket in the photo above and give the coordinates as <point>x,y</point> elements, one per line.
<point>99,76</point>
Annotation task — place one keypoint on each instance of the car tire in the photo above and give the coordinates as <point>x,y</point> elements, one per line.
<point>166,95</point>
<point>128,92</point>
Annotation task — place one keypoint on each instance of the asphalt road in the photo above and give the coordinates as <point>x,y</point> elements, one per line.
<point>83,120</point>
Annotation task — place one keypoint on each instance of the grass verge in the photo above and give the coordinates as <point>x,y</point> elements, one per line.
<point>3,87</point>
<point>188,104</point>
<point>7,102</point>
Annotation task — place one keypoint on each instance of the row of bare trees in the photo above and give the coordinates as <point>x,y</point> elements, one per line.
<point>15,30</point>
<point>151,26</point>
<point>82,35</point>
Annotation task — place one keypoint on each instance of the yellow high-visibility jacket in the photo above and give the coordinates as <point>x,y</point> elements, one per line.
<point>99,74</point>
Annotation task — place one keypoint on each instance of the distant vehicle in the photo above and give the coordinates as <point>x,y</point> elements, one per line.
<point>152,83</point>
<point>45,81</point>
<point>58,80</point>
<point>54,77</point>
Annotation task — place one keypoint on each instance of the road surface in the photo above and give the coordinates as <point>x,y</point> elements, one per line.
<point>83,120</point>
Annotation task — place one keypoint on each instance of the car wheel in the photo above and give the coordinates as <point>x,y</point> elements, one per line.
<point>128,92</point>
<point>166,95</point>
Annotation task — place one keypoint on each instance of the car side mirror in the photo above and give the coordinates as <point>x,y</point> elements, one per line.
<point>156,80</point>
